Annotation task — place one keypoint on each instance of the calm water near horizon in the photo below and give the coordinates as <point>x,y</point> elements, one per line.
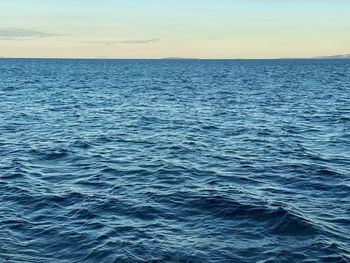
<point>174,160</point>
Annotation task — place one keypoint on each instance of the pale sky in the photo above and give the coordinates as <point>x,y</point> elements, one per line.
<point>174,28</point>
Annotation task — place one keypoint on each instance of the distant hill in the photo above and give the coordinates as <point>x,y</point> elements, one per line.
<point>347,56</point>
<point>335,57</point>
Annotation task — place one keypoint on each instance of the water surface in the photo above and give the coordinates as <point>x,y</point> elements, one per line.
<point>174,161</point>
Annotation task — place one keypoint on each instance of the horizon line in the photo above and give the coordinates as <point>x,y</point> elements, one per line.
<point>96,58</point>
<point>343,56</point>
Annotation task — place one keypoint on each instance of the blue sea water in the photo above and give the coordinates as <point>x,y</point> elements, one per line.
<point>174,161</point>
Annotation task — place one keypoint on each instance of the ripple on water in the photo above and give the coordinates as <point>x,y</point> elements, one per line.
<point>174,161</point>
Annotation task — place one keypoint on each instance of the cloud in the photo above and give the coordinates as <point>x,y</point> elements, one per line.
<point>139,41</point>
<point>9,33</point>
<point>132,42</point>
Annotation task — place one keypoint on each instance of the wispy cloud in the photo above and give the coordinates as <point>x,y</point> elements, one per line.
<point>139,41</point>
<point>132,42</point>
<point>9,33</point>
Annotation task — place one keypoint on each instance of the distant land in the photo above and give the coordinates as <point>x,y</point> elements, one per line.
<point>347,56</point>
<point>335,57</point>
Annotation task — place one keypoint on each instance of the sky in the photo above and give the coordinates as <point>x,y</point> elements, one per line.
<point>225,29</point>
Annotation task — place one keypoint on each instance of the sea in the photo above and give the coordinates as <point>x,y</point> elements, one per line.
<point>174,161</point>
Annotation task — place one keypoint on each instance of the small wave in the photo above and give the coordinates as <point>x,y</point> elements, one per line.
<point>50,153</point>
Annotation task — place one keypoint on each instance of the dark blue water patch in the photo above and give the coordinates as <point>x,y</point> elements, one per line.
<point>174,161</point>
